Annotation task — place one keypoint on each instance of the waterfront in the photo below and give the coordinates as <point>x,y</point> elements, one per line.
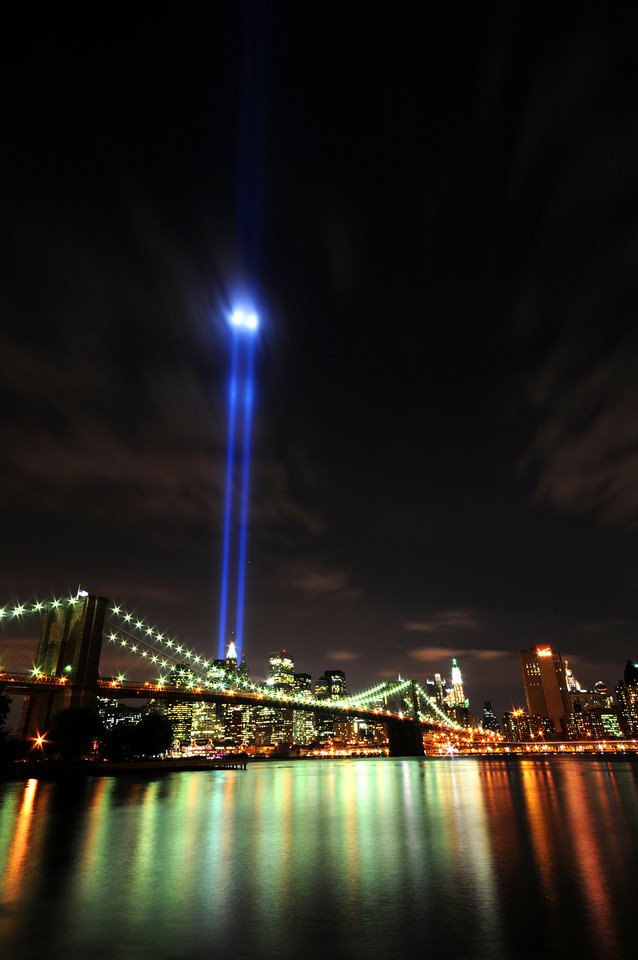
<point>364,858</point>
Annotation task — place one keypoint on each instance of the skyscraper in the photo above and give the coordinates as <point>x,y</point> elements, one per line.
<point>281,673</point>
<point>627,693</point>
<point>490,720</point>
<point>544,677</point>
<point>458,693</point>
<point>330,686</point>
<point>304,729</point>
<point>281,677</point>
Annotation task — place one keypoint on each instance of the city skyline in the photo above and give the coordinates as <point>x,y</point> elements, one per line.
<point>126,647</point>
<point>211,704</point>
<point>438,237</point>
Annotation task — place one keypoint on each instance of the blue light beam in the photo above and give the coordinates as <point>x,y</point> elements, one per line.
<point>245,484</point>
<point>228,497</point>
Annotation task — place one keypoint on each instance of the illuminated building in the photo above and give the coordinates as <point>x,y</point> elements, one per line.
<point>490,720</point>
<point>281,674</point>
<point>215,673</point>
<point>330,686</point>
<point>438,691</point>
<point>519,726</point>
<point>264,724</point>
<point>345,729</point>
<point>304,728</point>
<point>282,725</point>
<point>516,725</point>
<point>601,689</point>
<point>113,712</point>
<point>461,715</point>
<point>544,677</point>
<point>628,705</point>
<point>458,693</point>
<point>595,723</point>
<point>590,699</point>
<point>281,677</point>
<point>432,691</point>
<point>228,664</point>
<point>592,714</point>
<point>441,692</point>
<point>180,715</point>
<point>607,723</point>
<point>571,682</point>
<point>181,676</point>
<point>238,724</point>
<point>303,685</point>
<point>207,722</point>
<point>627,694</point>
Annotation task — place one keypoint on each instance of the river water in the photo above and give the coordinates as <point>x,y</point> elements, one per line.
<point>375,858</point>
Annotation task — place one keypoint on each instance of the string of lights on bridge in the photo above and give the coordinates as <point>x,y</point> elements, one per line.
<point>136,636</point>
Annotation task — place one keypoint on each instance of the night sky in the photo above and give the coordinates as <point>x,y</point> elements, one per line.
<point>436,212</point>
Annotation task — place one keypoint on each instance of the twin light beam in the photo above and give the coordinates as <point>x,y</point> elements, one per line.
<point>244,325</point>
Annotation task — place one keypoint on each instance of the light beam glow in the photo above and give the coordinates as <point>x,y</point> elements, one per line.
<point>244,324</point>
<point>228,497</point>
<point>243,509</point>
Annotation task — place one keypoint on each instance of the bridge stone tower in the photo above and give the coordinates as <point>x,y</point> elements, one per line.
<point>69,648</point>
<point>405,738</point>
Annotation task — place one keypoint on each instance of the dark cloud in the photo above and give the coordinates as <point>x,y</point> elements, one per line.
<point>445,252</point>
<point>342,656</point>
<point>586,446</point>
<point>314,579</point>
<point>274,503</point>
<point>164,464</point>
<point>441,654</point>
<point>444,621</point>
<point>602,627</point>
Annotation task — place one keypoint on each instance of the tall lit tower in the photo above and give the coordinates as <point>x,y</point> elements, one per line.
<point>458,693</point>
<point>544,676</point>
<point>244,325</point>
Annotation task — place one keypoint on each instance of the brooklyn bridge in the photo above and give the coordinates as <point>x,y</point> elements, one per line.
<point>74,636</point>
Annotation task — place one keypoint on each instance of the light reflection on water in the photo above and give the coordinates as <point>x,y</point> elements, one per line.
<point>363,858</point>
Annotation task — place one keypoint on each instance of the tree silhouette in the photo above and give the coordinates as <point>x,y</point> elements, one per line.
<point>73,731</point>
<point>148,738</point>
<point>5,706</point>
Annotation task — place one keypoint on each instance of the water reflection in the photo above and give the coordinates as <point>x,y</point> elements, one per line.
<point>366,858</point>
<point>15,870</point>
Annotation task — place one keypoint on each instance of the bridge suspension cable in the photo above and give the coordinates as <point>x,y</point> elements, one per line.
<point>149,645</point>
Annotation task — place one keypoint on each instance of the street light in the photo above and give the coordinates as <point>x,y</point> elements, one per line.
<point>39,741</point>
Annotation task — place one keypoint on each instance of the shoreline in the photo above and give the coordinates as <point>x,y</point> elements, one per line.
<point>61,770</point>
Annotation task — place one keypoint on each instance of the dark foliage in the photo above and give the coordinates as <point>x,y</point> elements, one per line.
<point>148,738</point>
<point>5,706</point>
<point>12,748</point>
<point>72,733</point>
